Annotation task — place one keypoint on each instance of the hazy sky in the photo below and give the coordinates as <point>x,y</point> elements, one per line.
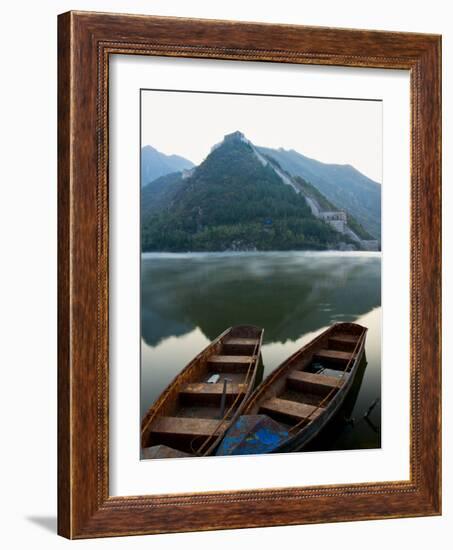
<point>329,130</point>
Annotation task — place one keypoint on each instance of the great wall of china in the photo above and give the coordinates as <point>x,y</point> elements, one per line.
<point>338,220</point>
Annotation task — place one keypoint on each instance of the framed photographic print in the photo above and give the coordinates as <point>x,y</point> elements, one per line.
<point>249,275</point>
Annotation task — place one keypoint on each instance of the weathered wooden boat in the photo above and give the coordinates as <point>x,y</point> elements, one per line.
<point>192,414</point>
<point>301,396</point>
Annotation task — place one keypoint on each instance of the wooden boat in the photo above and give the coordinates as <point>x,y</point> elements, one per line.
<point>193,413</point>
<point>299,398</point>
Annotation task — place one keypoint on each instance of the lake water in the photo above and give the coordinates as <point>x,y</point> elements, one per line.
<point>189,299</point>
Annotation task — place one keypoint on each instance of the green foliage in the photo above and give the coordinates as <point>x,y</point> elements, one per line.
<point>311,191</point>
<point>358,229</point>
<point>159,193</point>
<point>233,202</point>
<point>345,186</point>
<point>291,234</point>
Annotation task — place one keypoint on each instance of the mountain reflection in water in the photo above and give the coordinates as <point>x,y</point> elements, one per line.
<point>189,299</point>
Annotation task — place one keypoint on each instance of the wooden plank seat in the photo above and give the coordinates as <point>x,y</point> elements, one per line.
<point>283,408</point>
<point>345,338</point>
<point>203,392</point>
<point>239,346</point>
<point>241,341</point>
<point>222,363</point>
<point>313,383</point>
<point>336,356</point>
<point>173,425</point>
<point>201,388</point>
<point>344,342</point>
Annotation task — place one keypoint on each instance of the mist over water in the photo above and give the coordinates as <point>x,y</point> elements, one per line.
<point>189,299</point>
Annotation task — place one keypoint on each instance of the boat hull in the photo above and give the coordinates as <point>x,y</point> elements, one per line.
<point>194,411</point>
<point>285,395</point>
<point>304,437</point>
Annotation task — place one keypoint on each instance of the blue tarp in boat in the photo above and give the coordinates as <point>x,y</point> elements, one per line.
<point>253,434</point>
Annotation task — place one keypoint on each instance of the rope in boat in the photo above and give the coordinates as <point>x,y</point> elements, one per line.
<point>308,419</point>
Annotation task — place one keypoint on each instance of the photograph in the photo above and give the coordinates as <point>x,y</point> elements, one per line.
<point>260,273</point>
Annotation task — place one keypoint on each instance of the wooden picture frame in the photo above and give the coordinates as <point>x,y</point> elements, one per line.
<point>85,42</point>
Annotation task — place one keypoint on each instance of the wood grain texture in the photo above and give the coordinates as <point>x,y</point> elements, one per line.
<point>64,390</point>
<point>85,42</point>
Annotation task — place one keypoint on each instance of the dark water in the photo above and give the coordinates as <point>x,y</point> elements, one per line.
<point>189,299</point>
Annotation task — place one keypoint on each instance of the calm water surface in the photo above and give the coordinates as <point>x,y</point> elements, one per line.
<point>189,299</point>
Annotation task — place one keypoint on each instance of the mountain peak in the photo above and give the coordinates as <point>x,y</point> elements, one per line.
<point>155,164</point>
<point>234,137</point>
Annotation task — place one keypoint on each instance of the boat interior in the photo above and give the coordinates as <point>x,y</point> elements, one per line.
<point>213,390</point>
<point>311,381</point>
